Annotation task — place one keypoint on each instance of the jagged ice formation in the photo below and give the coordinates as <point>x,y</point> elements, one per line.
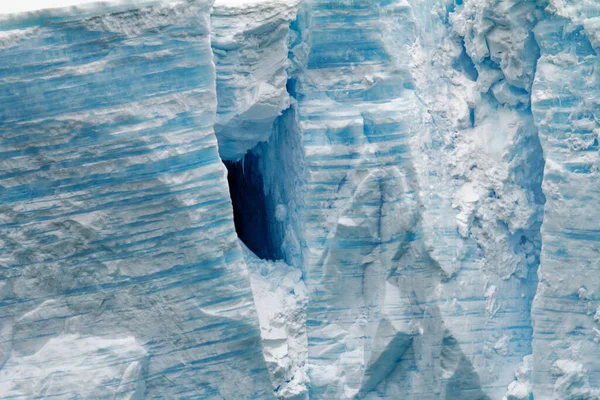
<point>354,199</point>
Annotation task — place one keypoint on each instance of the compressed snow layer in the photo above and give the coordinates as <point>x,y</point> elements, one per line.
<point>242,4</point>
<point>35,5</point>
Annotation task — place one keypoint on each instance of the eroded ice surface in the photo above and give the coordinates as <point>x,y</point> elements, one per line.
<point>418,177</point>
<point>92,367</point>
<point>116,222</point>
<point>250,44</point>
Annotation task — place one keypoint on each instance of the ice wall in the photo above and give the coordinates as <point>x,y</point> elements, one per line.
<point>121,272</point>
<point>448,311</point>
<point>422,204</point>
<point>414,182</point>
<point>565,104</point>
<point>353,112</point>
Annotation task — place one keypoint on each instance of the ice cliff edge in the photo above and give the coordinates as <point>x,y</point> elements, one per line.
<point>356,199</point>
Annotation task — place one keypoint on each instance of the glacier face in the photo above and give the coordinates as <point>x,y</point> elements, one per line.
<point>565,105</point>
<point>119,248</point>
<point>412,182</point>
<point>423,225</point>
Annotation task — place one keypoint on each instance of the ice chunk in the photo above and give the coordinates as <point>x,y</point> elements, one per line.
<point>281,300</point>
<point>250,43</point>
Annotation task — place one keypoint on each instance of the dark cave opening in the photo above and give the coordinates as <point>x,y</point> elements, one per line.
<point>251,214</point>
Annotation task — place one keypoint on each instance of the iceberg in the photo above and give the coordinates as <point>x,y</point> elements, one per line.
<point>119,249</point>
<point>299,199</point>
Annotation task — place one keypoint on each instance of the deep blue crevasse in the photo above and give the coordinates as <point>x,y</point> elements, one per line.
<point>252,218</point>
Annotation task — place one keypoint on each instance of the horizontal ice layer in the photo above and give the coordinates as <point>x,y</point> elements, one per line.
<point>359,205</point>
<point>115,219</point>
<point>250,43</point>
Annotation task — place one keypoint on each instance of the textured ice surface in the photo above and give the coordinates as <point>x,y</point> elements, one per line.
<point>90,367</point>
<point>251,53</point>
<point>565,104</point>
<point>66,7</point>
<point>116,224</point>
<point>280,298</point>
<point>418,177</point>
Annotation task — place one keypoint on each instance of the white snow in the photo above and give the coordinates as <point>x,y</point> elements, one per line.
<point>281,299</point>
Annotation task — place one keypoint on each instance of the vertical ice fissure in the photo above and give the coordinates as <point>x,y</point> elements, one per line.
<point>260,145</point>
<point>252,214</point>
